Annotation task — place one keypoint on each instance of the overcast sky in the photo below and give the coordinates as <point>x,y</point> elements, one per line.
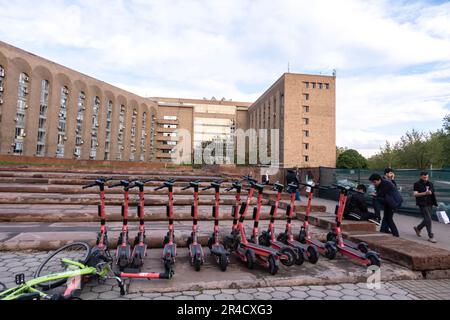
<point>392,57</point>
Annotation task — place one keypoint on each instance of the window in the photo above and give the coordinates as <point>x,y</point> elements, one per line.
<point>109,108</point>
<point>306,158</point>
<point>170,143</point>
<point>306,85</point>
<point>306,146</point>
<point>40,149</point>
<point>305,121</point>
<point>2,85</point>
<point>169,134</point>
<point>327,86</point>
<point>282,101</point>
<point>143,135</point>
<point>94,128</point>
<point>306,96</point>
<point>170,126</point>
<point>306,133</point>
<point>22,99</point>
<point>79,128</point>
<point>306,109</point>
<point>171,118</point>
<point>320,85</point>
<point>120,135</point>
<point>133,136</point>
<point>62,122</point>
<point>313,85</point>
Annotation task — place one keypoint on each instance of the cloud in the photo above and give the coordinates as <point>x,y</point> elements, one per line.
<point>392,57</point>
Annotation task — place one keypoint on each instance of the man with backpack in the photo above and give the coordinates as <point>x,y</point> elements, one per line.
<point>425,200</point>
<point>377,204</point>
<point>390,197</point>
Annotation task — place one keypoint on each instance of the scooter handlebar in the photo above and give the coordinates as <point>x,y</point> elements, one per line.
<point>98,182</point>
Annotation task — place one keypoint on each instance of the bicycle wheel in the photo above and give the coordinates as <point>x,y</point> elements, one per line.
<point>77,251</point>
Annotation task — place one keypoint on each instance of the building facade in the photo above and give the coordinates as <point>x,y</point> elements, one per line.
<point>303,109</point>
<point>48,110</point>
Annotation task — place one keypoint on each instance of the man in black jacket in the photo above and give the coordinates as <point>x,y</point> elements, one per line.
<point>389,175</point>
<point>388,195</point>
<point>425,200</point>
<point>356,207</point>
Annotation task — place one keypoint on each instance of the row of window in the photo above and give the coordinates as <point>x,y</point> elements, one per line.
<point>64,94</point>
<point>318,85</point>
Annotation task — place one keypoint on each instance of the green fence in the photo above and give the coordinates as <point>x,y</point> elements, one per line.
<point>405,180</point>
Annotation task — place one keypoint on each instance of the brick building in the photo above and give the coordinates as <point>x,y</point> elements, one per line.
<point>48,110</point>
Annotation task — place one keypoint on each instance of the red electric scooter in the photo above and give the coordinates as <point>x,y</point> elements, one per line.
<point>331,236</point>
<point>308,251</point>
<point>170,246</point>
<point>102,237</point>
<point>368,258</point>
<point>216,248</point>
<point>328,249</point>
<point>268,238</point>
<point>195,248</point>
<point>231,241</point>
<point>140,243</point>
<point>123,251</point>
<point>252,253</point>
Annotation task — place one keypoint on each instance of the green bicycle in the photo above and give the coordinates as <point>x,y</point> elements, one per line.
<point>73,264</point>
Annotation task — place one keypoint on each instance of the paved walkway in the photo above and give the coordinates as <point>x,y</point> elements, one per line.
<point>22,262</point>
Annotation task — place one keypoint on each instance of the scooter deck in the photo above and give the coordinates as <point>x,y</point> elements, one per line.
<point>261,248</point>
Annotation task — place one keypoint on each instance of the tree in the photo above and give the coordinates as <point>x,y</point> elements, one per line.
<point>351,159</point>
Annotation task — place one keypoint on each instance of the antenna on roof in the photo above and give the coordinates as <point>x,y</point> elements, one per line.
<point>334,73</point>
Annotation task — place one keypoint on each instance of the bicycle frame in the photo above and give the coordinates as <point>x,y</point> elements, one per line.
<point>29,286</point>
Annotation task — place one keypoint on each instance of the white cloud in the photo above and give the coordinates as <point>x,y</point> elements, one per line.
<point>237,49</point>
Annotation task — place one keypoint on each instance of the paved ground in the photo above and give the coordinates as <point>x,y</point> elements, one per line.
<point>26,262</point>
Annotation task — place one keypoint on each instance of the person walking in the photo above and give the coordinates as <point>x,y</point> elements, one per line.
<point>390,198</point>
<point>265,178</point>
<point>291,177</point>
<point>389,175</point>
<point>425,200</point>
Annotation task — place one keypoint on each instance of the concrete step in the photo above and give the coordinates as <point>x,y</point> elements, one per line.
<point>80,213</point>
<point>44,236</point>
<point>415,256</point>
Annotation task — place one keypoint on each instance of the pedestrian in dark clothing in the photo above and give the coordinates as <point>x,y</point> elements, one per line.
<point>356,207</point>
<point>291,177</point>
<point>377,205</point>
<point>391,199</point>
<point>425,200</point>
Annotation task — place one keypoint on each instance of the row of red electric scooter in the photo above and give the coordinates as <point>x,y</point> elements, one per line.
<point>266,250</point>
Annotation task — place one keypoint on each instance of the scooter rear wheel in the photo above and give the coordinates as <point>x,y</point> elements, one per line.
<point>289,257</point>
<point>250,256</point>
<point>373,258</point>
<point>223,262</point>
<point>313,255</point>
<point>273,266</point>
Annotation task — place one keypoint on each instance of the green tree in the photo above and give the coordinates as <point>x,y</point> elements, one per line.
<point>351,159</point>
